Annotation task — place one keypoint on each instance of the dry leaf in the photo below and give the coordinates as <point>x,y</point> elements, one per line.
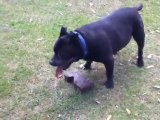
<point>144,93</point>
<point>121,64</point>
<point>158,31</point>
<point>153,56</point>
<point>30,20</point>
<point>128,111</point>
<point>61,13</point>
<point>39,39</point>
<point>109,117</point>
<point>69,4</point>
<point>91,4</point>
<point>98,102</point>
<point>150,66</point>
<point>59,115</point>
<point>93,10</point>
<point>158,87</point>
<point>150,56</point>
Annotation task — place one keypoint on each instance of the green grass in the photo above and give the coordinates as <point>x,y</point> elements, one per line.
<point>28,88</point>
<point>5,87</point>
<point>21,73</point>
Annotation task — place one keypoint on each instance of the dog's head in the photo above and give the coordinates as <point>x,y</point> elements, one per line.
<point>66,50</point>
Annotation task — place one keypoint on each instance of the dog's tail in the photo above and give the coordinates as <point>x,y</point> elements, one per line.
<point>139,7</point>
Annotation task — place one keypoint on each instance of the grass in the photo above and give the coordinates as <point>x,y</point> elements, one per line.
<point>28,89</point>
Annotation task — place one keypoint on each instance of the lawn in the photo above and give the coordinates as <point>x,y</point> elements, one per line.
<point>28,88</point>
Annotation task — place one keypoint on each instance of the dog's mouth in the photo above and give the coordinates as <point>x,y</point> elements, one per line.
<point>59,72</point>
<point>60,69</point>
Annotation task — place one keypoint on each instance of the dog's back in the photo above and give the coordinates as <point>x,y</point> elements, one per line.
<point>118,27</point>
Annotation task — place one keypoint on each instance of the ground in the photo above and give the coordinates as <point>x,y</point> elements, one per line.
<point>28,88</point>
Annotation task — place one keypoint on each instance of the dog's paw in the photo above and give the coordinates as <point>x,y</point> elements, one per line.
<point>140,63</point>
<point>109,85</point>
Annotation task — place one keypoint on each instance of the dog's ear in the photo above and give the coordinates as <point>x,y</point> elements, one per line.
<point>70,38</point>
<point>73,35</point>
<point>63,31</point>
<point>73,38</point>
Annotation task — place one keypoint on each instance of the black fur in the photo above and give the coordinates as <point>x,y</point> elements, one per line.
<point>103,38</point>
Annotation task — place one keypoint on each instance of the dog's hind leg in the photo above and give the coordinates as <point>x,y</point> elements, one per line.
<point>87,65</point>
<point>139,37</point>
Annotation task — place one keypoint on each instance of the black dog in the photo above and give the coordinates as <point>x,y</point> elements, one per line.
<point>98,41</point>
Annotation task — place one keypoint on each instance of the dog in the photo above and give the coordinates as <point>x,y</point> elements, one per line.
<point>100,40</point>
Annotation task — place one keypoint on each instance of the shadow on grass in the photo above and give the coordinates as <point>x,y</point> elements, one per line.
<point>73,102</point>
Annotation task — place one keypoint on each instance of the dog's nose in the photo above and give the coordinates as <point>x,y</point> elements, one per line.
<point>51,62</point>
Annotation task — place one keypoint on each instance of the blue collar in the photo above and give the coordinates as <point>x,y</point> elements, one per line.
<point>82,43</point>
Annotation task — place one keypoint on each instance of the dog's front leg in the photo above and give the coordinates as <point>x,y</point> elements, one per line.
<point>109,65</point>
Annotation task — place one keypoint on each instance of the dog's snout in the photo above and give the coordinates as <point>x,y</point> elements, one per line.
<point>51,62</point>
